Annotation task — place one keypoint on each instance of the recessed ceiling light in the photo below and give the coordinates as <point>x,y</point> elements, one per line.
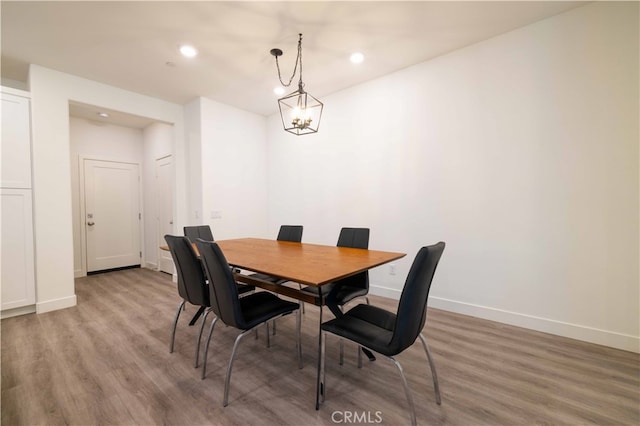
<point>188,51</point>
<point>356,58</point>
<point>103,114</point>
<point>278,90</point>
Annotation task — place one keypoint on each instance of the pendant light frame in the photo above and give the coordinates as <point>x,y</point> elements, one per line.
<point>300,112</point>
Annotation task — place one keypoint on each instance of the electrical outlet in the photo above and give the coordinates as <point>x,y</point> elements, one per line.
<point>216,214</point>
<point>392,269</point>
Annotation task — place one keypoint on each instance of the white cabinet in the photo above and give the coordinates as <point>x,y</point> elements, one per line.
<point>17,261</point>
<point>16,139</point>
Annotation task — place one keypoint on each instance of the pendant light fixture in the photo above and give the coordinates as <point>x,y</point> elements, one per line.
<point>300,112</point>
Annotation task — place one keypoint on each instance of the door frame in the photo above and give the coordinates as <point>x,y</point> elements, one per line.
<point>157,188</point>
<point>83,212</point>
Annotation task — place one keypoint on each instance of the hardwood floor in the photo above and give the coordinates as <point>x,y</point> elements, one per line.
<point>106,361</point>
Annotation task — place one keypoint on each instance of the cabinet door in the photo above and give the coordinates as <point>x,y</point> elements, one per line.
<point>16,258</point>
<point>16,142</point>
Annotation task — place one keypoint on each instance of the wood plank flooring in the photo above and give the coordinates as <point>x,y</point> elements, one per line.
<point>106,361</point>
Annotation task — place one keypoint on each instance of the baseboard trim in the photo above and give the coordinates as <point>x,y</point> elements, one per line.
<point>574,331</point>
<point>391,293</point>
<point>55,304</point>
<point>23,310</point>
<point>150,265</point>
<point>77,273</point>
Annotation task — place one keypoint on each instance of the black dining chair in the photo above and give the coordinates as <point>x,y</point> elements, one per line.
<point>387,333</point>
<point>192,285</point>
<point>244,313</point>
<point>199,231</point>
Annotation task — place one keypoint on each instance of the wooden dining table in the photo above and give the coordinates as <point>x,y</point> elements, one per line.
<point>309,264</point>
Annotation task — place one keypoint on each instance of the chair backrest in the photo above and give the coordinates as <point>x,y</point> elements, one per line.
<point>356,238</point>
<point>223,290</point>
<point>192,285</point>
<point>200,231</point>
<point>290,233</point>
<point>412,308</point>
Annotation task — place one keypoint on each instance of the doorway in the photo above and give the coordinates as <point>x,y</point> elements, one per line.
<point>111,214</point>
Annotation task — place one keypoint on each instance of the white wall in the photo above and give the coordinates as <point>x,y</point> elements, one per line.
<point>51,92</point>
<point>158,143</point>
<point>234,171</point>
<point>193,138</point>
<point>102,141</point>
<point>521,152</point>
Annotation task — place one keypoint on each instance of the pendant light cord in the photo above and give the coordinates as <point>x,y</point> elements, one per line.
<point>295,68</point>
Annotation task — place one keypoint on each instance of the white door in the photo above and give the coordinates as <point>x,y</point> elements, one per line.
<point>112,214</point>
<point>164,191</point>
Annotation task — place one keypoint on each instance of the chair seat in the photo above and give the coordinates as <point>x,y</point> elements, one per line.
<point>260,307</point>
<point>367,325</point>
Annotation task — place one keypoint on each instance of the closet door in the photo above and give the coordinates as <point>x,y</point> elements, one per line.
<point>17,260</point>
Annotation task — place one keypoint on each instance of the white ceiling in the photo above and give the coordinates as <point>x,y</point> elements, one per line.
<point>129,44</point>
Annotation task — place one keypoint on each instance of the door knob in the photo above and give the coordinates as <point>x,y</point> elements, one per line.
<point>90,223</point>
<point>171,223</point>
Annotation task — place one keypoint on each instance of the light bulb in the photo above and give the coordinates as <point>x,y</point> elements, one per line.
<point>357,58</point>
<point>188,51</point>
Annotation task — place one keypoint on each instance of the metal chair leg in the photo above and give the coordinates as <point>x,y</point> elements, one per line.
<point>266,324</point>
<point>407,392</point>
<point>359,356</point>
<point>175,324</point>
<point>341,351</point>
<point>204,320</point>
<point>320,391</point>
<point>436,387</point>
<point>227,380</point>
<point>206,349</point>
<point>298,336</point>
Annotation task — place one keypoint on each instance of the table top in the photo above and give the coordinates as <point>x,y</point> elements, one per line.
<point>305,263</point>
